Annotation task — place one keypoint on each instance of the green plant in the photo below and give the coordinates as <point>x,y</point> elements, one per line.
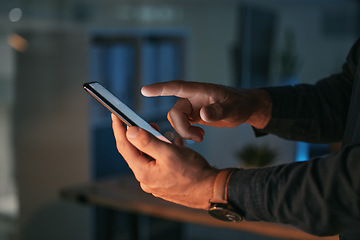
<point>254,155</point>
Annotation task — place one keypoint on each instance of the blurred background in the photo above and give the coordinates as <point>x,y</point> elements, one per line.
<point>52,136</point>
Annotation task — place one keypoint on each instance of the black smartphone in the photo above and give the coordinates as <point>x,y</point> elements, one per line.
<point>128,116</point>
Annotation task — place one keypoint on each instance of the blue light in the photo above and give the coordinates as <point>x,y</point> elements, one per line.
<point>302,151</point>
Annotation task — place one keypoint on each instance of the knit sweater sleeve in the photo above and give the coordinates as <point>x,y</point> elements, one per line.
<point>314,113</point>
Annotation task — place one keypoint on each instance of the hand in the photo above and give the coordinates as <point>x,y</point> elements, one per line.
<point>213,105</point>
<point>174,173</point>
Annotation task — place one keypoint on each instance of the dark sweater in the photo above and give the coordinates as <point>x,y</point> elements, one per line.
<point>320,196</point>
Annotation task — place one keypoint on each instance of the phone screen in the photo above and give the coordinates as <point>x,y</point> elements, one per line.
<point>128,116</point>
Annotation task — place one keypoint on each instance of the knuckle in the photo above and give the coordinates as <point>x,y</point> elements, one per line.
<point>143,177</point>
<point>173,113</point>
<point>145,188</point>
<point>168,115</point>
<point>156,195</point>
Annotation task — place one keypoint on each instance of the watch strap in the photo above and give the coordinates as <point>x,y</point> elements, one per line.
<point>219,194</point>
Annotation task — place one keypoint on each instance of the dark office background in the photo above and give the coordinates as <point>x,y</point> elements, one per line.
<point>52,136</point>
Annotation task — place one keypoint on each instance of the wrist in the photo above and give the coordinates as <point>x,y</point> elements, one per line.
<point>262,108</point>
<point>202,192</point>
<point>219,207</point>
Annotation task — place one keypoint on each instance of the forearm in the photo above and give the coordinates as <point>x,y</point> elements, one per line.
<point>315,113</point>
<point>318,196</point>
<point>303,112</point>
<point>311,113</point>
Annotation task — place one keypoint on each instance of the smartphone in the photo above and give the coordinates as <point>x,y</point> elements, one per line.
<point>128,116</point>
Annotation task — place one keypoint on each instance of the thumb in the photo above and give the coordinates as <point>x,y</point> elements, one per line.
<point>215,112</point>
<point>146,142</point>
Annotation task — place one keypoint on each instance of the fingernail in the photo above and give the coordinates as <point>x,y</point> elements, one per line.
<point>207,114</point>
<point>132,132</point>
<point>144,92</point>
<point>210,114</point>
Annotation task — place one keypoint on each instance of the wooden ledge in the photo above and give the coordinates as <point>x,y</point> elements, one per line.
<point>125,194</point>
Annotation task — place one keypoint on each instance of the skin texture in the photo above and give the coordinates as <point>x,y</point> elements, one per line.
<point>172,171</point>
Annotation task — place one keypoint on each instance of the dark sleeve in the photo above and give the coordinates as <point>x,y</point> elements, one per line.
<point>320,196</point>
<point>314,113</point>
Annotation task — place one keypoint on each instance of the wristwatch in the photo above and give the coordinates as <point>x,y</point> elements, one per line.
<point>219,206</point>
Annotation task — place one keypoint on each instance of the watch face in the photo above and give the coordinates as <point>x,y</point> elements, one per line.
<point>224,212</point>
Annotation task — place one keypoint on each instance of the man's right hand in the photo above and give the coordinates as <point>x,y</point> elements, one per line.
<point>213,105</point>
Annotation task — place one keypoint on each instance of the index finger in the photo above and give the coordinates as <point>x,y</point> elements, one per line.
<point>177,88</point>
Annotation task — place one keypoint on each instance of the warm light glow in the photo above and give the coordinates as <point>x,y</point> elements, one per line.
<point>15,14</point>
<point>17,42</point>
